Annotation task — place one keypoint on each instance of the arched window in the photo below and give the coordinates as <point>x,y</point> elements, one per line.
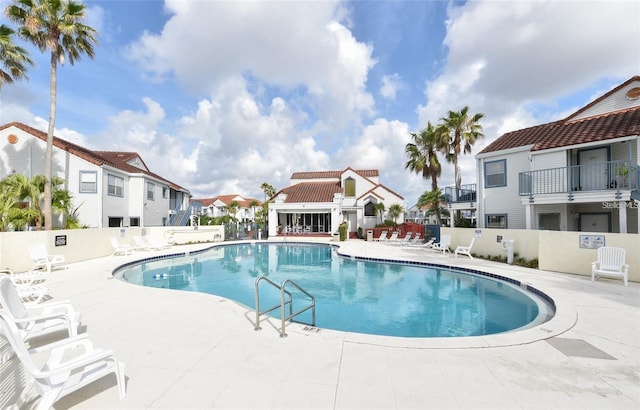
<point>370,209</point>
<point>349,187</point>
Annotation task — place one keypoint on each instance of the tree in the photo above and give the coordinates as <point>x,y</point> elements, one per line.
<point>379,208</point>
<point>268,190</point>
<point>232,209</point>
<point>56,26</point>
<point>394,212</point>
<point>13,59</point>
<point>253,205</point>
<point>432,199</point>
<point>423,154</point>
<point>460,131</point>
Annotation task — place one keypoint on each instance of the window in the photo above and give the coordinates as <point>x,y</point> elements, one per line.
<point>370,209</point>
<point>150,188</point>
<point>495,173</point>
<point>116,186</point>
<point>88,181</point>
<point>497,221</point>
<point>134,221</point>
<point>349,187</point>
<point>115,222</point>
<point>165,192</point>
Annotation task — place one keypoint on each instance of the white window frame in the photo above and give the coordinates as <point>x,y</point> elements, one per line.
<point>151,188</point>
<point>113,188</point>
<point>82,182</point>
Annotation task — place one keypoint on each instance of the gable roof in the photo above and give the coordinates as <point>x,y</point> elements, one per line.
<point>311,192</point>
<point>227,199</point>
<point>571,131</point>
<point>365,173</point>
<point>114,159</point>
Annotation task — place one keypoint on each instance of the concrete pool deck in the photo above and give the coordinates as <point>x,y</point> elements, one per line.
<point>187,350</point>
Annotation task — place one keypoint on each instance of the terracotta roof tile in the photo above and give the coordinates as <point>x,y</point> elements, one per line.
<point>227,199</point>
<point>567,132</point>
<point>113,159</point>
<point>311,192</point>
<point>365,173</point>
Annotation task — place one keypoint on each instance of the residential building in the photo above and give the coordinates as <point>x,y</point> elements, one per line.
<point>580,173</point>
<point>318,202</point>
<point>109,189</point>
<point>218,206</point>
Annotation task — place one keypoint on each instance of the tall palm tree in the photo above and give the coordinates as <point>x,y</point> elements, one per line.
<point>268,190</point>
<point>253,205</point>
<point>56,26</point>
<point>460,131</point>
<point>379,208</point>
<point>13,59</point>
<point>423,153</point>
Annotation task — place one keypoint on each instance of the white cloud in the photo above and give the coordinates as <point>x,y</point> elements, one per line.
<point>390,85</point>
<point>504,55</point>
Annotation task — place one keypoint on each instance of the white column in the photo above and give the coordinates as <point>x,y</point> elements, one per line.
<point>622,216</point>
<point>528,216</point>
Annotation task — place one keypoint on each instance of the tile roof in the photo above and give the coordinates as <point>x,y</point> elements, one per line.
<point>311,192</point>
<point>365,173</point>
<point>227,199</point>
<point>572,131</point>
<point>566,132</point>
<point>113,159</point>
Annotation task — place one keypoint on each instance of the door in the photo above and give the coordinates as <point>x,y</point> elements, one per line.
<point>594,172</point>
<point>549,222</point>
<point>600,222</point>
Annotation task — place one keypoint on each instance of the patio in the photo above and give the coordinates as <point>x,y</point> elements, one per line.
<point>189,350</point>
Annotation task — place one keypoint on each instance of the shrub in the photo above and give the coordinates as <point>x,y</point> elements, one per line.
<point>342,229</point>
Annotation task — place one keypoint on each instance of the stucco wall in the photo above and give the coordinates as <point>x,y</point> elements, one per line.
<point>83,244</point>
<point>556,251</point>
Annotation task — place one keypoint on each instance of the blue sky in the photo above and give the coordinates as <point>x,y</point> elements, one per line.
<point>221,96</point>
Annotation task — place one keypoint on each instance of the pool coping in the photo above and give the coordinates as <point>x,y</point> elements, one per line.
<point>564,319</point>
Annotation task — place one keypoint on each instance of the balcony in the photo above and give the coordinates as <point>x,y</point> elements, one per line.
<point>466,194</point>
<point>613,176</point>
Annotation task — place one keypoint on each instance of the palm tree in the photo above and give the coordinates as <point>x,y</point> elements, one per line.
<point>379,208</point>
<point>394,211</point>
<point>422,153</point>
<point>432,199</point>
<point>460,131</point>
<point>232,209</point>
<point>13,59</point>
<point>268,190</point>
<point>56,26</point>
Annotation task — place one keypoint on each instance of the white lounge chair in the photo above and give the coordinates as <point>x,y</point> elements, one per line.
<point>443,245</point>
<point>392,238</point>
<point>382,237</point>
<point>611,262</point>
<point>402,241</point>
<point>33,321</point>
<point>465,250</point>
<point>140,244</point>
<point>70,365</point>
<point>416,240</point>
<point>28,285</point>
<point>120,248</point>
<point>42,259</point>
<point>428,244</point>
<point>154,243</point>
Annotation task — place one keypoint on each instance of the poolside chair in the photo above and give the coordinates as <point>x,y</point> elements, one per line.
<point>465,250</point>
<point>42,259</point>
<point>428,244</point>
<point>382,237</point>
<point>392,238</point>
<point>611,262</point>
<point>443,245</point>
<point>119,248</point>
<point>414,240</point>
<point>402,241</point>
<point>140,244</point>
<point>156,244</point>
<point>33,321</point>
<point>28,285</point>
<point>70,365</point>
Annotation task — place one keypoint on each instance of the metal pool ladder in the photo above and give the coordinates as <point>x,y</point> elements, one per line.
<point>288,300</point>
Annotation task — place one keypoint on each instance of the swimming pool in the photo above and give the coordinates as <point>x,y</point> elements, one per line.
<point>353,294</point>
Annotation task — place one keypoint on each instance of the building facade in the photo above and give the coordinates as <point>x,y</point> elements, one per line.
<point>109,189</point>
<point>576,174</point>
<point>318,202</point>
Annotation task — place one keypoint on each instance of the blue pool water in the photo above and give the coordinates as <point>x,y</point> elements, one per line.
<point>352,295</point>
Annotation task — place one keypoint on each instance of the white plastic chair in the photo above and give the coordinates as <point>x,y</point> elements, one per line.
<point>70,365</point>
<point>27,285</point>
<point>443,245</point>
<point>33,321</point>
<point>402,241</point>
<point>382,237</point>
<point>392,238</point>
<point>611,262</point>
<point>120,248</point>
<point>428,244</point>
<point>42,259</point>
<point>465,250</point>
<point>141,244</point>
